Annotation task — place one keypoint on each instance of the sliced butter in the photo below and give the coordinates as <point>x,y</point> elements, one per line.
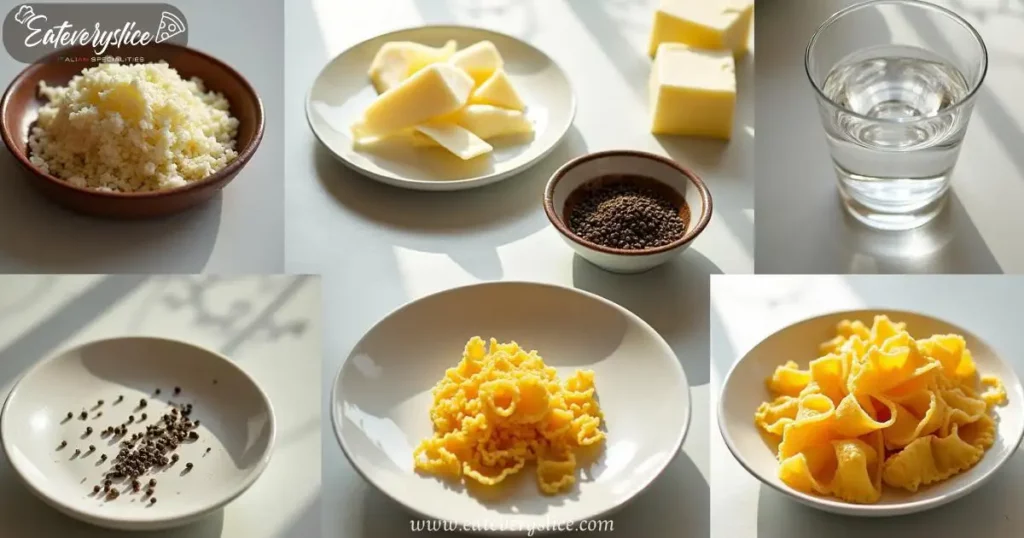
<point>692,92</point>
<point>488,121</point>
<point>433,91</point>
<point>480,60</point>
<point>706,24</point>
<point>459,141</point>
<point>498,91</point>
<point>398,60</point>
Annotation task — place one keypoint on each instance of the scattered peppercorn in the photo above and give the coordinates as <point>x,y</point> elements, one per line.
<point>70,414</point>
<point>177,391</point>
<point>92,448</point>
<point>193,435</point>
<point>152,482</point>
<point>120,399</point>
<point>63,444</point>
<point>142,403</point>
<point>88,431</point>
<point>83,415</point>
<point>103,457</point>
<point>152,500</point>
<point>95,489</point>
<point>188,466</point>
<point>99,403</point>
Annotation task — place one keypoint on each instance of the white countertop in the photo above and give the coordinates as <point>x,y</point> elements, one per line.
<point>238,231</point>
<point>381,247</point>
<point>746,309</point>
<point>802,227</point>
<point>270,325</point>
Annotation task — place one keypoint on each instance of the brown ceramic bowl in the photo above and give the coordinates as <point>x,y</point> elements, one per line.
<point>673,181</point>
<point>21,102</point>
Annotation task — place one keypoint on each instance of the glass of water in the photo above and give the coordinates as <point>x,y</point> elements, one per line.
<point>895,83</point>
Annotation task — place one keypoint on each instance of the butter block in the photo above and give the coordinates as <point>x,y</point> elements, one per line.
<point>498,91</point>
<point>433,91</point>
<point>458,140</point>
<point>398,60</point>
<point>480,60</point>
<point>705,24</point>
<point>692,92</point>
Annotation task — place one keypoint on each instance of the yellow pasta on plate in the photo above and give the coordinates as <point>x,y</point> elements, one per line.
<point>879,409</point>
<point>502,407</point>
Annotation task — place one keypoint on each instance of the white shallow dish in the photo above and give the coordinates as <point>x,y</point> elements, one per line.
<point>745,389</point>
<point>342,91</point>
<point>381,400</point>
<point>236,423</point>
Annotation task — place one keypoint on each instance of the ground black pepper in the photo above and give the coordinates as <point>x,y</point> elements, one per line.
<point>623,212</point>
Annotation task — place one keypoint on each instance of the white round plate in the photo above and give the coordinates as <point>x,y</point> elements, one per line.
<point>342,91</point>
<point>744,390</point>
<point>380,404</point>
<point>236,424</point>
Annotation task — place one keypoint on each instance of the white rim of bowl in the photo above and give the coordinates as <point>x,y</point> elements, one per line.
<point>869,510</point>
<point>680,437</point>
<point>455,184</point>
<point>168,520</point>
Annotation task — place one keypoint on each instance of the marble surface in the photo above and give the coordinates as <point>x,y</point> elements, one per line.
<point>269,325</point>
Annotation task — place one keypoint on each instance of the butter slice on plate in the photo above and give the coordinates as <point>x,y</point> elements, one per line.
<point>706,24</point>
<point>456,139</point>
<point>433,91</point>
<point>692,92</point>
<point>480,60</point>
<point>398,60</point>
<point>488,121</point>
<point>498,91</point>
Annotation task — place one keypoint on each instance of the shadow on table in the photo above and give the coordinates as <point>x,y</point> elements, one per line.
<point>672,298</point>
<point>677,503</point>
<point>467,226</point>
<point>949,244</point>
<point>37,342</point>
<point>723,353</point>
<point>15,301</point>
<point>522,16</point>
<point>39,236</point>
<point>726,167</point>
<point>993,510</point>
<point>24,515</point>
<point>607,31</point>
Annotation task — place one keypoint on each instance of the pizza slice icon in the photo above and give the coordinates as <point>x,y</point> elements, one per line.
<point>170,26</point>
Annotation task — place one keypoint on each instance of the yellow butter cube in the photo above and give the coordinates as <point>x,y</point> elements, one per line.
<point>706,24</point>
<point>692,92</point>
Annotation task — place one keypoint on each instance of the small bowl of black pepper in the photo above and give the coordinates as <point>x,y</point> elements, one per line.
<point>627,211</point>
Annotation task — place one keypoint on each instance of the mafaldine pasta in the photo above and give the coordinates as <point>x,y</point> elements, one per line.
<point>502,407</point>
<point>879,408</point>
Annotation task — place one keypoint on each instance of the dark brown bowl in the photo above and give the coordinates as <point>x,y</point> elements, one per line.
<point>20,108</point>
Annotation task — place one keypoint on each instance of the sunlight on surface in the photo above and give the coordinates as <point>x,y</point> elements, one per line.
<point>752,307</point>
<point>424,273</point>
<point>749,130</point>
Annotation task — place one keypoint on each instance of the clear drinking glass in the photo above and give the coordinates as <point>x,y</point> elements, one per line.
<point>895,83</point>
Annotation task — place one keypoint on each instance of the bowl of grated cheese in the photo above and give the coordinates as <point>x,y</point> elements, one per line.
<point>155,135</point>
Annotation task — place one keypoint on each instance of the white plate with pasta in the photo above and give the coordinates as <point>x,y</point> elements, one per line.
<point>590,354</point>
<point>871,417</point>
